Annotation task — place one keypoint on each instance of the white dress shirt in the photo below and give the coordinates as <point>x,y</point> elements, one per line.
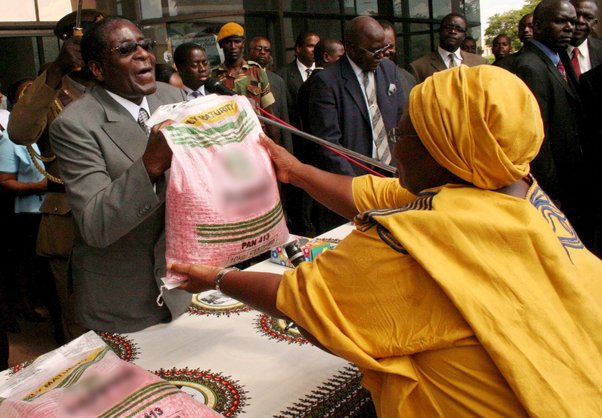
<point>584,62</point>
<point>303,69</point>
<point>132,108</point>
<point>189,92</point>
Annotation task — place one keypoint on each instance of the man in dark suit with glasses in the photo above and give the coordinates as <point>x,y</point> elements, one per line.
<point>355,102</point>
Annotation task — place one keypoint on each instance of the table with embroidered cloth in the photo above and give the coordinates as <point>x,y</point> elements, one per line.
<point>241,362</point>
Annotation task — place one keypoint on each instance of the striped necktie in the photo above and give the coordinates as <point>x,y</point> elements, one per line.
<point>452,61</point>
<point>142,118</point>
<point>378,126</point>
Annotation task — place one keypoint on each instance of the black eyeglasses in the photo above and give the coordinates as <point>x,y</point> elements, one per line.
<point>378,52</point>
<point>128,48</point>
<point>454,27</point>
<point>262,48</point>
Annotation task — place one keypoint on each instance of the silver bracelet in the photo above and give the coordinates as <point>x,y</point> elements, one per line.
<point>218,279</point>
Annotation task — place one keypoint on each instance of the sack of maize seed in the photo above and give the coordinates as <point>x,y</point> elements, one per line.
<point>85,378</point>
<point>222,199</point>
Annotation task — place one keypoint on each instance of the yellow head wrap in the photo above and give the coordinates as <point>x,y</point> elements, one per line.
<point>230,29</point>
<point>482,123</point>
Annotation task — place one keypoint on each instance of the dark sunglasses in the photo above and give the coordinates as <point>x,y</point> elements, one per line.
<point>459,29</point>
<point>128,48</point>
<point>379,52</point>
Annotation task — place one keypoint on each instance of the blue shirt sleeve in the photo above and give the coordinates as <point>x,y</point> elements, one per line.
<point>9,163</point>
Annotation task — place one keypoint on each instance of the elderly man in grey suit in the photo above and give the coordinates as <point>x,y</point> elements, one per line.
<point>114,174</point>
<point>448,54</point>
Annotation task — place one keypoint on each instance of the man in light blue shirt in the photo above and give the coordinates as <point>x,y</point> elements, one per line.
<point>20,177</point>
<point>26,274</point>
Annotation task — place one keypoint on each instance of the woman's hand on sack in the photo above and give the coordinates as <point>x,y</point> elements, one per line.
<point>198,278</point>
<point>157,156</point>
<point>284,162</point>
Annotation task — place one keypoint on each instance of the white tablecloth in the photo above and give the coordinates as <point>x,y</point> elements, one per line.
<point>244,363</point>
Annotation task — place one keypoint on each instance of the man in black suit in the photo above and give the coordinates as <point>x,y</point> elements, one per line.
<point>298,203</point>
<point>543,65</point>
<point>525,28</point>
<point>585,51</point>
<point>327,52</point>
<point>586,57</point>
<point>296,72</point>
<point>590,85</point>
<point>525,34</point>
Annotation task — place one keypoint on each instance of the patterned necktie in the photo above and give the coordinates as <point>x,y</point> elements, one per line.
<point>452,61</point>
<point>575,62</point>
<point>308,71</point>
<point>378,126</point>
<point>142,118</point>
<point>562,70</point>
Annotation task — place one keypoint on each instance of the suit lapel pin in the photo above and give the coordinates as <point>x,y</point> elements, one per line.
<point>392,89</point>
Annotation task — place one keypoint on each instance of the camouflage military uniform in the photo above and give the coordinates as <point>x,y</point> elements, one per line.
<point>251,81</point>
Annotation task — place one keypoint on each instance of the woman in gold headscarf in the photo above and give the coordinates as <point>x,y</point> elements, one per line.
<point>464,292</point>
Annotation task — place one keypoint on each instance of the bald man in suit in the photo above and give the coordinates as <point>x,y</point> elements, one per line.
<point>344,99</point>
